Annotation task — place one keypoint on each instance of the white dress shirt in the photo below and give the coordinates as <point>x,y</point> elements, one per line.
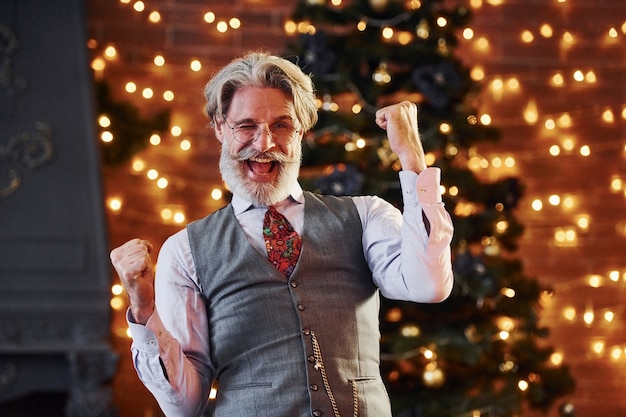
<point>407,263</point>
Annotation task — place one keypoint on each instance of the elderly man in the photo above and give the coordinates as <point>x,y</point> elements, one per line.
<point>276,296</point>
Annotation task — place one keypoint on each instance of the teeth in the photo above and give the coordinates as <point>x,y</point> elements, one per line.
<point>261,160</point>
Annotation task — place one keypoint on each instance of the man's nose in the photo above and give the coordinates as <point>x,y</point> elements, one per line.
<point>263,141</point>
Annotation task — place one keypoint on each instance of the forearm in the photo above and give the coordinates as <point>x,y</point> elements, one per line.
<point>173,378</point>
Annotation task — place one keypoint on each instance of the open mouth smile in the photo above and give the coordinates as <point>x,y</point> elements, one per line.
<point>261,166</point>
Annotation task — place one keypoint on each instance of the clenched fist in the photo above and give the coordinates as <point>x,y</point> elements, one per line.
<point>134,267</point>
<point>400,122</point>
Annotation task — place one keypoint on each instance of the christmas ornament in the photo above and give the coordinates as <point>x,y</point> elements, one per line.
<point>437,82</point>
<point>340,179</point>
<point>381,75</point>
<point>567,409</point>
<point>317,58</point>
<point>378,5</point>
<point>433,376</point>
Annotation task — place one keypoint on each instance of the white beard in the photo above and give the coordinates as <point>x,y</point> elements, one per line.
<point>234,174</point>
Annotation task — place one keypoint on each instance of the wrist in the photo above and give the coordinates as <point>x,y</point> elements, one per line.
<point>142,314</point>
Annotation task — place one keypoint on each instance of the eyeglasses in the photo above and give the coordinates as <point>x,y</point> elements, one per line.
<point>282,132</point>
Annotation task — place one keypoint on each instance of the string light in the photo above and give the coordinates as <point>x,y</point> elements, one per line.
<point>561,144</point>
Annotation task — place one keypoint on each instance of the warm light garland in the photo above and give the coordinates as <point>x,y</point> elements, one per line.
<point>558,140</point>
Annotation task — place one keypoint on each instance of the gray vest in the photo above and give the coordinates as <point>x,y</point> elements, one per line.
<point>300,347</point>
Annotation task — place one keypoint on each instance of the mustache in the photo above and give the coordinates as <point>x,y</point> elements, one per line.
<point>249,153</point>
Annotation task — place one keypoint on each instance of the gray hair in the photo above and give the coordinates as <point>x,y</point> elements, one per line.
<point>259,69</point>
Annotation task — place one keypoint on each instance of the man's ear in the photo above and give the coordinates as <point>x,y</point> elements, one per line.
<point>218,127</point>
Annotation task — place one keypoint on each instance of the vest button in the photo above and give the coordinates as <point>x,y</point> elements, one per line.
<point>300,307</point>
<point>313,387</point>
<point>306,331</point>
<point>293,284</point>
<point>311,358</point>
<point>317,413</point>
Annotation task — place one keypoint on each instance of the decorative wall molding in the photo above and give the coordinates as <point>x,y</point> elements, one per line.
<point>24,153</point>
<point>11,84</point>
<point>33,147</point>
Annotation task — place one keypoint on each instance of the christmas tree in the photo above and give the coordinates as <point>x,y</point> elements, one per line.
<point>482,351</point>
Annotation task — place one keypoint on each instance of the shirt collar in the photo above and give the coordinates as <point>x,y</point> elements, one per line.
<point>240,204</point>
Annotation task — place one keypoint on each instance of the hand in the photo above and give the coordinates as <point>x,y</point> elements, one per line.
<point>400,122</point>
<point>134,267</point>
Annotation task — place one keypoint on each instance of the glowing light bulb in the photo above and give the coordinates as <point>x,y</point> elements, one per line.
<point>138,165</point>
<point>115,204</point>
<point>482,44</point>
<point>568,144</point>
<point>556,358</point>
<point>557,80</point>
<point>598,347</point>
<point>152,174</point>
<point>222,26</point>
<point>130,87</point>
<point>477,73</point>
<point>569,313</point>
<point>147,93</point>
<point>568,202</point>
<point>162,183</point>
<point>546,30</point>
<point>527,36</point>
<point>616,184</point>
<point>290,27</point>
<point>554,150</point>
<point>590,77</point>
<point>176,130</point>
<point>159,60</point>
<point>106,136</point>
<point>98,64</point>
<point>567,39</point>
<point>154,17</point>
<point>578,76</point>
<point>110,52</point>
<point>565,120</point>
<point>139,6</point>
<point>104,121</point>
<point>234,23</point>
<point>594,281</point>
<point>209,17</point>
<point>185,144</point>
<point>168,95</point>
<point>608,116</point>
<point>195,65</point>
<point>216,194</point>
<point>585,150</point>
<point>614,276</point>
<point>531,114</point>
<point>179,217</point>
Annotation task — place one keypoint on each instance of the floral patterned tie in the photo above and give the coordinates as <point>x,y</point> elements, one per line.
<point>281,241</point>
